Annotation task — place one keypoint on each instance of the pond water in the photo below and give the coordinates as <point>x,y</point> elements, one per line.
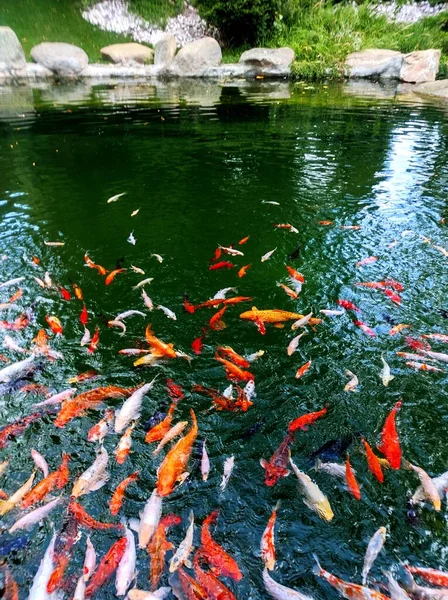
<point>204,166</point>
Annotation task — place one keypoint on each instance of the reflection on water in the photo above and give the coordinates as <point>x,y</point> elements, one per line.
<point>200,160</point>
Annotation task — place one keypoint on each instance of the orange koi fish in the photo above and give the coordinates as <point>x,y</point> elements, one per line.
<point>89,262</point>
<point>157,346</point>
<point>10,587</point>
<point>303,369</point>
<point>214,588</point>
<point>295,274</point>
<point>75,407</point>
<point>159,431</point>
<point>346,589</point>
<point>216,323</point>
<point>221,563</point>
<point>191,588</point>
<point>221,402</point>
<point>267,541</point>
<point>188,306</point>
<point>65,294</point>
<point>390,443</point>
<point>233,356</point>
<point>348,305</point>
<point>11,431</point>
<point>421,366</point>
<point>98,432</point>
<point>244,240</point>
<point>158,547</point>
<point>175,391</point>
<point>225,301</point>
<point>275,469</point>
<point>395,285</point>
<point>124,445</point>
<point>373,462</point>
<point>78,291</point>
<point>366,261</point>
<point>290,292</point>
<point>233,371</point>
<point>217,254</point>
<point>94,341</point>
<point>55,480</point>
<point>35,260</point>
<point>107,566</point>
<point>350,479</point>
<point>242,272</point>
<point>116,501</point>
<point>54,324</point>
<point>84,316</point>
<point>305,420</point>
<point>274,316</point>
<point>365,328</point>
<point>224,264</point>
<point>63,551</point>
<point>92,374</point>
<point>326,222</point>
<point>175,462</point>
<point>432,576</point>
<point>197,345</point>
<point>86,520</point>
<point>112,275</point>
<point>16,296</point>
<point>398,328</point>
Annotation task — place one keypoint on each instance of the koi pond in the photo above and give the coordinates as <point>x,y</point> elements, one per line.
<point>139,187</point>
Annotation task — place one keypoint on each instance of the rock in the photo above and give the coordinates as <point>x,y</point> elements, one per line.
<point>165,50</point>
<point>385,64</point>
<point>63,59</point>
<point>194,58</point>
<point>420,66</point>
<point>11,52</point>
<point>433,88</point>
<point>271,58</point>
<point>126,54</point>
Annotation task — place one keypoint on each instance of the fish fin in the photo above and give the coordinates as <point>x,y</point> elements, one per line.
<point>287,472</point>
<point>317,569</point>
<point>134,524</point>
<point>187,563</point>
<point>407,465</point>
<point>264,463</point>
<point>168,545</point>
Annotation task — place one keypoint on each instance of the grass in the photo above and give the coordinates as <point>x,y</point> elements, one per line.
<point>36,21</point>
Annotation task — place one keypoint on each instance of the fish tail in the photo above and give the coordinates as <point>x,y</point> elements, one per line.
<point>317,569</point>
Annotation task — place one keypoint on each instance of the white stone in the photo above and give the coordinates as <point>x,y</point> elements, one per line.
<point>11,52</point>
<point>65,60</point>
<point>376,63</point>
<point>280,58</point>
<point>193,59</point>
<point>128,53</point>
<point>165,50</point>
<point>420,66</point>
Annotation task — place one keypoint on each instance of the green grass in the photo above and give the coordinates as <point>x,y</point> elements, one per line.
<point>36,21</point>
<point>156,11</point>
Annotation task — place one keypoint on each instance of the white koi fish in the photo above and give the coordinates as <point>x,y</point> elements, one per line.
<point>281,592</point>
<point>131,239</point>
<point>158,257</point>
<point>221,294</point>
<point>137,270</point>
<point>436,355</point>
<point>55,244</point>
<point>333,469</point>
<point>149,519</point>
<point>86,337</point>
<point>9,343</point>
<point>47,280</point>
<point>353,383</point>
<point>395,591</point>
<point>205,463</point>
<point>135,212</point>
<point>94,477</point>
<point>15,281</point>
<point>143,282</point>
<point>255,356</point>
<point>294,343</point>
<point>57,398</point>
<point>17,370</point>
<point>183,552</point>
<point>270,202</point>
<point>268,255</point>
<point>147,300</point>
<point>40,462</point>
<point>116,323</point>
<point>249,389</point>
<point>385,375</point>
<point>229,463</point>
<point>374,547</point>
<point>131,408</point>
<point>313,497</point>
<point>35,516</point>
<point>160,594</point>
<point>126,567</point>
<point>169,435</point>
<point>440,483</point>
<point>38,590</point>
<point>169,313</point>
<point>332,313</point>
<point>129,313</point>
<point>301,322</point>
<point>228,392</point>
<point>429,489</point>
<point>116,197</point>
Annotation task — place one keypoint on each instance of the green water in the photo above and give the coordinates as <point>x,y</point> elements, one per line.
<point>199,169</point>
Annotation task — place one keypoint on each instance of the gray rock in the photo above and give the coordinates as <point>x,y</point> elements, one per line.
<point>12,56</point>
<point>193,59</point>
<point>125,54</point>
<point>420,66</point>
<point>63,59</point>
<point>375,63</point>
<point>271,58</point>
<point>433,88</point>
<point>165,50</point>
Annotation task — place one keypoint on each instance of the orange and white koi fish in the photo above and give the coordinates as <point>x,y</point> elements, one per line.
<point>243,271</point>
<point>216,322</point>
<point>350,479</point>
<point>55,324</point>
<point>77,406</point>
<point>170,435</point>
<point>397,328</point>
<point>295,274</point>
<point>290,292</point>
<point>421,366</point>
<point>351,591</point>
<point>303,369</point>
<point>112,276</point>
<point>411,356</point>
<point>287,226</point>
<point>94,341</point>
<point>55,480</point>
<point>365,328</point>
<point>312,494</point>
<point>220,562</point>
<point>351,227</point>
<point>267,545</point>
<point>98,432</point>
<point>116,501</point>
<point>429,489</point>
<point>124,445</point>
<point>173,467</point>
<point>16,296</point>
<point>432,576</point>
<point>89,262</point>
<point>305,420</point>
<point>390,443</point>
<point>440,337</point>
<point>373,462</point>
<point>352,385</point>
<point>366,261</point>
<point>159,546</point>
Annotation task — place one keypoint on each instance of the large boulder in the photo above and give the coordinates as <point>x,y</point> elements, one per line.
<point>270,58</point>
<point>63,59</point>
<point>126,54</point>
<point>432,88</point>
<point>193,59</point>
<point>375,63</point>
<point>11,52</point>
<point>165,50</point>
<point>420,66</point>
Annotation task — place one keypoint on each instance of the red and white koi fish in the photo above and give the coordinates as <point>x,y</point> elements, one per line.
<point>365,328</point>
<point>348,305</point>
<point>124,445</point>
<point>98,432</point>
<point>366,261</point>
<point>275,469</point>
<point>231,251</point>
<point>287,226</point>
<point>440,337</point>
<point>421,366</point>
<point>303,369</point>
<point>432,576</point>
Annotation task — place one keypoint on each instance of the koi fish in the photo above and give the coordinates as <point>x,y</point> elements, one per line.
<point>55,324</point>
<point>221,265</point>
<point>216,323</point>
<point>234,371</point>
<point>351,591</point>
<point>293,344</point>
<point>274,316</point>
<point>392,296</point>
<point>419,366</point>
<point>348,305</point>
<point>312,495</point>
<point>373,462</point>
<point>89,262</point>
<point>228,468</point>
<point>374,547</point>
<point>124,445</point>
<point>107,566</point>
<point>432,576</point>
<point>197,343</point>
<point>63,552</point>
<point>15,498</point>
<point>275,469</point>
<point>94,341</point>
<point>410,356</point>
<point>40,462</point>
<point>366,261</point>
<point>372,285</point>
<point>126,567</point>
<point>98,432</point>
<point>205,463</point>
<point>142,283</point>
<point>331,313</point>
<point>78,291</point>
<point>398,328</point>
<point>181,555</point>
<point>243,240</point>
<point>243,271</point>
<point>131,239</point>
<point>429,489</point>
<point>86,520</point>
<point>220,401</point>
<point>303,369</point>
<point>290,292</point>
<point>175,462</point>
<point>92,374</point>
<point>326,222</point>
<point>135,212</point>
<point>116,501</point>
<point>365,328</point>
<point>65,294</point>
<point>287,226</point>
<point>305,420</point>
<point>211,585</point>
<point>91,399</point>
<point>352,384</point>
<point>281,592</point>
<point>385,375</point>
<point>418,344</point>
<point>220,562</point>
<point>84,316</point>
<point>131,409</point>
<point>94,477</point>
<point>190,588</point>
<point>170,435</point>
<point>156,433</point>
<point>423,593</point>
<point>149,518</point>
<point>159,546</point>
<point>42,576</point>
<point>167,312</point>
<point>116,197</point>
<point>55,480</point>
<point>267,545</point>
<point>350,479</point>
<point>112,276</point>
<point>390,443</point>
<point>13,430</point>
<point>333,469</point>
<point>233,356</point>
<point>231,251</point>
<point>440,337</point>
<point>268,255</point>
<point>147,300</point>
<point>351,227</point>
<point>396,591</point>
<point>435,355</point>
